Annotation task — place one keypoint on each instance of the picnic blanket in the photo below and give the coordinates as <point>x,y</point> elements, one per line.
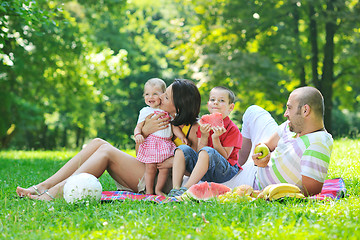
<point>125,195</point>
<point>332,189</point>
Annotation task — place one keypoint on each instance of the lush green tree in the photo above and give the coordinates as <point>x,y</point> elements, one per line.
<point>54,80</point>
<point>264,49</point>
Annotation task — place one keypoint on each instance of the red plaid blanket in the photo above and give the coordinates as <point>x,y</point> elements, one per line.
<point>332,189</point>
<point>123,195</point>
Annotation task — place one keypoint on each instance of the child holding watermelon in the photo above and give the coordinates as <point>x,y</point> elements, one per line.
<point>158,146</point>
<point>219,142</point>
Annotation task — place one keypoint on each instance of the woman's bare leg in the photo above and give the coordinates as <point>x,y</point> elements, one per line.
<point>122,167</point>
<point>161,181</point>
<point>150,174</point>
<point>65,171</point>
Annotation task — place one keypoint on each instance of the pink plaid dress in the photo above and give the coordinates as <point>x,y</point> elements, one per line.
<point>158,146</point>
<point>155,149</point>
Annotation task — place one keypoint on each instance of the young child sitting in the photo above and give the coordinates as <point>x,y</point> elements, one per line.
<point>157,147</point>
<point>218,148</point>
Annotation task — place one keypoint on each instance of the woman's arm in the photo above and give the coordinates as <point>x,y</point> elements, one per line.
<point>153,124</point>
<point>192,137</point>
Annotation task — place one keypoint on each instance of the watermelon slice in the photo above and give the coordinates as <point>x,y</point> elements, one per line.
<point>205,191</point>
<point>214,119</point>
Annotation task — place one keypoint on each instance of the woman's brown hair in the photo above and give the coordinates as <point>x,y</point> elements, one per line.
<point>187,101</point>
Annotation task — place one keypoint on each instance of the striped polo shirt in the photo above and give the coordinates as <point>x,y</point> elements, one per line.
<point>308,155</point>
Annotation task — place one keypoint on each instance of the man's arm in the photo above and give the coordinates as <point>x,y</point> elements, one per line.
<point>244,151</point>
<point>311,186</point>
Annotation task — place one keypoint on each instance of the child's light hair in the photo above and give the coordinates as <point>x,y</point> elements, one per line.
<point>156,82</point>
<point>231,93</point>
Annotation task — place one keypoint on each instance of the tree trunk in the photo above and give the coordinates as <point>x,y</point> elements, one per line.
<point>313,34</point>
<point>327,77</point>
<point>300,59</point>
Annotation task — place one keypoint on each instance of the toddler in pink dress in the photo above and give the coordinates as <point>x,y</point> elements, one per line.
<point>158,146</point>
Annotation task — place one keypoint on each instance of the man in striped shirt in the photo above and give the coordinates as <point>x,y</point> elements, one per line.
<point>300,147</point>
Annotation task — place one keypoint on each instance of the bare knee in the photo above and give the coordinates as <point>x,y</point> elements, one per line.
<point>203,155</point>
<point>151,168</point>
<point>178,154</point>
<point>105,149</point>
<point>98,141</point>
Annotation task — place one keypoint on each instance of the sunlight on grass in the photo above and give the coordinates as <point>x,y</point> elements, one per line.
<point>26,219</point>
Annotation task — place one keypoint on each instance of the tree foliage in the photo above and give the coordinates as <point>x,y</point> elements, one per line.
<point>74,70</point>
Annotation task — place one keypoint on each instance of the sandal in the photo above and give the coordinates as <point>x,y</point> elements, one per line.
<point>36,190</point>
<point>47,193</point>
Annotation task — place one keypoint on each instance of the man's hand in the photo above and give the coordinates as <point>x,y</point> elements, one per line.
<point>263,162</point>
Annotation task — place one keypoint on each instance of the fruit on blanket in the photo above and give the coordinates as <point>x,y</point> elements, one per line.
<point>280,190</point>
<point>205,191</point>
<point>262,148</point>
<point>234,197</point>
<point>255,193</point>
<point>81,187</point>
<point>214,119</point>
<point>243,190</point>
<point>286,194</point>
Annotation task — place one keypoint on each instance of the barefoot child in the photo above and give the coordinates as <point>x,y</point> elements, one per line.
<point>158,146</point>
<point>217,158</point>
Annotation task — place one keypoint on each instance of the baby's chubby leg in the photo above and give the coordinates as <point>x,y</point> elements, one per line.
<point>150,174</point>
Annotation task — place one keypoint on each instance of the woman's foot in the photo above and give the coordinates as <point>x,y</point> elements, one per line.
<point>33,190</point>
<point>46,196</point>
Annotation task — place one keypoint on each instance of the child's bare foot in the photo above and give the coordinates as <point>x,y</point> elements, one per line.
<point>33,190</point>
<point>160,193</point>
<point>149,192</point>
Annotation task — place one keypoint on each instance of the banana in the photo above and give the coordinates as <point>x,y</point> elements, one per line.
<point>265,191</point>
<point>283,188</point>
<point>286,194</point>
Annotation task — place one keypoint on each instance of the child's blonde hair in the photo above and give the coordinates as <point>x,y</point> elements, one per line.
<point>156,82</point>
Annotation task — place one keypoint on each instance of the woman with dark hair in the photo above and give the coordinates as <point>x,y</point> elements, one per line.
<point>181,100</point>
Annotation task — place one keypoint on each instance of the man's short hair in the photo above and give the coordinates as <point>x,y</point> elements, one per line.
<point>312,97</point>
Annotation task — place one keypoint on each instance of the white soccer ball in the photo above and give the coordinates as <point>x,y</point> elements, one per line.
<point>82,186</point>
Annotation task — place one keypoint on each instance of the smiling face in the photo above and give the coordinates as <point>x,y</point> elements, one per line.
<point>152,96</point>
<point>167,103</point>
<point>219,102</point>
<point>294,114</point>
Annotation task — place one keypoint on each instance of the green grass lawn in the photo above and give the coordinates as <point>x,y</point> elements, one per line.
<point>27,219</point>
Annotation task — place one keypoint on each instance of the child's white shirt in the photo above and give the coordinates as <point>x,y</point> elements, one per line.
<point>146,111</point>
